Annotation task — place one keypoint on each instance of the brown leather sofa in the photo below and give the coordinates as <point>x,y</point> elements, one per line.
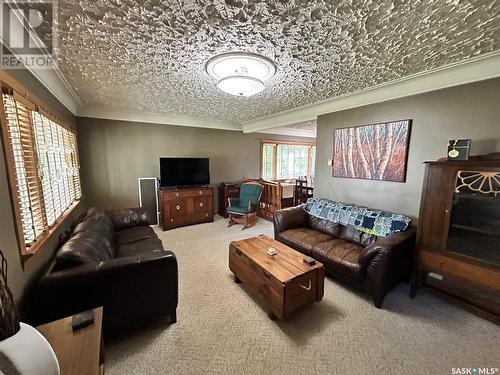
<point>113,259</point>
<point>373,263</point>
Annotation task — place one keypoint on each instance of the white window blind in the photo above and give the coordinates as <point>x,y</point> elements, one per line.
<point>44,166</point>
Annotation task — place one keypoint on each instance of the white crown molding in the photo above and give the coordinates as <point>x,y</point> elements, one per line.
<point>55,82</point>
<point>155,118</point>
<point>476,69</point>
<point>291,132</point>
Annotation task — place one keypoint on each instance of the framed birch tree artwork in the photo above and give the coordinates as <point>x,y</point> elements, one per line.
<point>373,152</point>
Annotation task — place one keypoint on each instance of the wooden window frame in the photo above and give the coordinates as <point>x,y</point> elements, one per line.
<point>275,151</point>
<point>24,96</point>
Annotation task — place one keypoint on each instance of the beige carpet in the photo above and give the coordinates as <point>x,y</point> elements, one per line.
<point>221,330</point>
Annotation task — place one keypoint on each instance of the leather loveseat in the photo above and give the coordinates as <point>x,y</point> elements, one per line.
<point>377,264</point>
<point>113,259</point>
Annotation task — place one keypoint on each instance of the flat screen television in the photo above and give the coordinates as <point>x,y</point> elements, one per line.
<point>184,172</point>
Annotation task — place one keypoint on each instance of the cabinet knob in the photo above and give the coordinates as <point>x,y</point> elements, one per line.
<point>171,220</point>
<point>178,207</point>
<point>176,194</point>
<point>447,211</point>
<point>200,192</point>
<point>201,204</point>
<point>206,215</point>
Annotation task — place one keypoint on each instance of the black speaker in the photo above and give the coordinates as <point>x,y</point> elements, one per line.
<point>148,196</point>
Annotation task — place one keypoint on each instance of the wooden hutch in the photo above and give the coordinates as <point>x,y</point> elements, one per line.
<point>458,239</point>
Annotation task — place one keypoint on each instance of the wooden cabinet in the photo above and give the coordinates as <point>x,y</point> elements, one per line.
<point>185,207</point>
<point>458,239</point>
<point>227,191</point>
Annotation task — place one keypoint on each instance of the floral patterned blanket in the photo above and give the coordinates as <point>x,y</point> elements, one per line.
<point>377,222</point>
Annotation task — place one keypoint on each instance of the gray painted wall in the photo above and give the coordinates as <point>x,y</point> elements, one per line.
<point>468,111</point>
<point>114,154</point>
<point>19,278</point>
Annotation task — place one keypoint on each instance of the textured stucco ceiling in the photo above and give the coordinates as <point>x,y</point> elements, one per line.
<point>310,126</point>
<point>299,129</point>
<point>149,55</point>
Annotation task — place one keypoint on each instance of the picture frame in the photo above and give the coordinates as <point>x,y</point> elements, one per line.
<point>377,151</point>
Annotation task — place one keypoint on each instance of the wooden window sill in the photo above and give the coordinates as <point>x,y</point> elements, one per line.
<point>28,256</point>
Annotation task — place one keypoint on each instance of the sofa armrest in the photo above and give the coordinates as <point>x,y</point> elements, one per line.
<point>289,218</point>
<point>387,262</point>
<point>125,218</point>
<point>397,242</point>
<point>131,290</point>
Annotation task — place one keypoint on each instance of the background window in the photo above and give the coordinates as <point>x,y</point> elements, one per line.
<point>286,160</point>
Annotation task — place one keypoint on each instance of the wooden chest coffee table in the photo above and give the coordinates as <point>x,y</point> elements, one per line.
<point>282,282</point>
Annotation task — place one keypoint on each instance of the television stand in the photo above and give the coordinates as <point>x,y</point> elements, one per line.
<point>185,206</point>
<point>184,187</point>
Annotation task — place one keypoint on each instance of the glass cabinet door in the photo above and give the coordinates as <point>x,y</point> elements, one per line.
<point>474,229</point>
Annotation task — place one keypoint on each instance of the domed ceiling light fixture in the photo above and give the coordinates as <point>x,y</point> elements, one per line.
<point>240,73</point>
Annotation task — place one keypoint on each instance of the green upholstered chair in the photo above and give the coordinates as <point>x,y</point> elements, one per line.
<point>243,210</point>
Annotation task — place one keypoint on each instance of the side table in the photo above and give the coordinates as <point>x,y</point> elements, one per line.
<point>79,352</point>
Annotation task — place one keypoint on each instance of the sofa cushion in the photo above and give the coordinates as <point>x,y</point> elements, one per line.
<point>352,234</point>
<point>339,255</point>
<point>303,239</point>
<point>134,234</point>
<point>91,241</point>
<point>140,247</point>
<point>84,247</point>
<point>325,226</point>
<point>95,216</point>
<point>97,221</point>
<point>124,218</point>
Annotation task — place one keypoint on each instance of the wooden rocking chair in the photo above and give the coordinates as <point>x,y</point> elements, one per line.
<point>243,210</point>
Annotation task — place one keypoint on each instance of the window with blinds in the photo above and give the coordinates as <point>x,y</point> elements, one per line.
<point>43,167</point>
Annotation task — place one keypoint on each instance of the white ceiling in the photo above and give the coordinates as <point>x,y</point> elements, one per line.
<point>148,57</point>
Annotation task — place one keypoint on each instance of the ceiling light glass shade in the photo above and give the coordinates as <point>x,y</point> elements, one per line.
<point>240,73</point>
<point>241,85</point>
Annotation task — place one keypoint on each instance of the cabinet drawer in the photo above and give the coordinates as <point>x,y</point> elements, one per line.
<point>451,267</point>
<point>200,204</point>
<point>186,193</point>
<point>181,220</point>
<point>178,207</point>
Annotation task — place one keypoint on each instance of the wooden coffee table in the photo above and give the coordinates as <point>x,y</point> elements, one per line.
<point>282,282</point>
